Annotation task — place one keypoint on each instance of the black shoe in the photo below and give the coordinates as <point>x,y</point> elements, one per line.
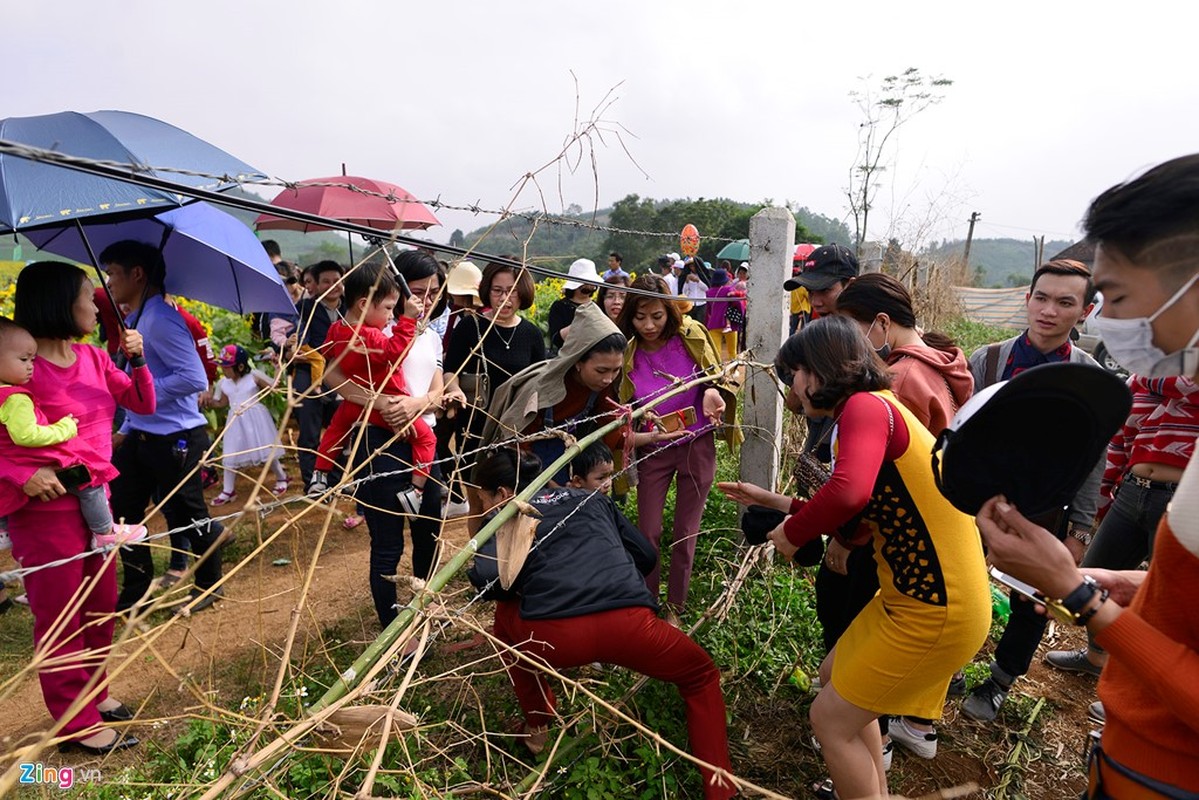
<point>193,605</point>
<point>119,714</point>
<point>120,743</point>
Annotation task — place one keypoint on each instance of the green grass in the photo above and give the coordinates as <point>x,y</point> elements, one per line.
<point>971,335</point>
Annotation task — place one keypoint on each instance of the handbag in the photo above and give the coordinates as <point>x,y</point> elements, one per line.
<point>477,388</point>
<point>735,314</point>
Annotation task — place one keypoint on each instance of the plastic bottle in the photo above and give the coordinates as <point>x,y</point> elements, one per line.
<point>179,451</point>
<point>1000,605</point>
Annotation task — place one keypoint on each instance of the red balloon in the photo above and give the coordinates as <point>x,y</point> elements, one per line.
<point>689,240</point>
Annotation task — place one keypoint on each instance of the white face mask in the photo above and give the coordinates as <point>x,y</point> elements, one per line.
<point>1130,341</point>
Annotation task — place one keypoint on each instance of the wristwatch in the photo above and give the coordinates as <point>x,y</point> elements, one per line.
<point>1081,533</point>
<point>1080,598</point>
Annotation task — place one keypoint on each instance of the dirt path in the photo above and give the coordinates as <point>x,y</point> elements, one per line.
<point>186,662</point>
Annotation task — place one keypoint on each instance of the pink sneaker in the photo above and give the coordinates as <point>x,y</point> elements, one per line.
<point>121,534</point>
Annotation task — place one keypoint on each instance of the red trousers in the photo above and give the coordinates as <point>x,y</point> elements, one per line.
<point>419,435</point>
<point>45,532</point>
<point>628,637</point>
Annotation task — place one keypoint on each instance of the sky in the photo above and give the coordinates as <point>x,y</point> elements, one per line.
<point>1051,103</point>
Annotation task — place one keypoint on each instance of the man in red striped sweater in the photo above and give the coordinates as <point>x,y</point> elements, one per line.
<point>1147,266</point>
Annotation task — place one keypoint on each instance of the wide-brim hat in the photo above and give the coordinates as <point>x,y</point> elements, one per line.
<point>1033,439</point>
<point>463,280</point>
<point>581,268</point>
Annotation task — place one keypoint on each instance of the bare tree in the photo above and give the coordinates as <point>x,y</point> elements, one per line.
<point>885,109</point>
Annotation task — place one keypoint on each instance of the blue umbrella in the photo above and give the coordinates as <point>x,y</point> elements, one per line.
<point>210,256</point>
<point>35,194</point>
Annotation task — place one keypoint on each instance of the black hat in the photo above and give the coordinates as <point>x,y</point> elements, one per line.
<point>825,266</point>
<point>1033,439</point>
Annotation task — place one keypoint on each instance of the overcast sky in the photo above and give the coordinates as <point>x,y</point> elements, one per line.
<point>1051,102</point>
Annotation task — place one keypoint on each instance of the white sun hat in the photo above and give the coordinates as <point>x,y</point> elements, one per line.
<point>581,268</point>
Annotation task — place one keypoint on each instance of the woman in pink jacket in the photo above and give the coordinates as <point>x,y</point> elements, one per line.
<point>72,604</point>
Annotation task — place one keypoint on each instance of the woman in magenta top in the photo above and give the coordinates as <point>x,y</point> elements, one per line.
<point>667,348</point>
<point>54,302</point>
<point>720,327</point>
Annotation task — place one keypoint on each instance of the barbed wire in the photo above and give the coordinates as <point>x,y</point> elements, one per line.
<point>345,487</point>
<point>226,181</point>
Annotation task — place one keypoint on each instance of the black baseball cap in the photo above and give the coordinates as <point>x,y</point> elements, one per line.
<point>825,266</point>
<point>1034,438</point>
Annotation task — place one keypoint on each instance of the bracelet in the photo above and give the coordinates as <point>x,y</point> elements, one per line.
<point>1082,534</point>
<point>137,361</point>
<point>1085,616</point>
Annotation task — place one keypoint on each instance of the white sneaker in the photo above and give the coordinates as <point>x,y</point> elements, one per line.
<point>319,485</point>
<point>455,509</point>
<point>917,742</point>
<point>410,500</point>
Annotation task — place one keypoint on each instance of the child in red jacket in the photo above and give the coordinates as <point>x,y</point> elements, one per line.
<point>369,358</point>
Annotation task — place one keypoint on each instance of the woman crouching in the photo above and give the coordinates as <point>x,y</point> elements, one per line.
<point>581,597</point>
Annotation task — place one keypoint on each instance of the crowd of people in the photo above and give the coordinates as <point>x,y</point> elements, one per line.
<point>423,387</point>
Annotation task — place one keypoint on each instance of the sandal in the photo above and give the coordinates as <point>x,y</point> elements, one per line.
<point>351,522</point>
<point>824,790</point>
<point>168,580</point>
<point>223,498</point>
<point>280,487</point>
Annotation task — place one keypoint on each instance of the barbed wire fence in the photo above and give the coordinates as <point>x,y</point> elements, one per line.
<point>276,520</point>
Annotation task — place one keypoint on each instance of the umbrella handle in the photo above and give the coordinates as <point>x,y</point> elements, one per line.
<point>138,361</point>
<point>91,254</point>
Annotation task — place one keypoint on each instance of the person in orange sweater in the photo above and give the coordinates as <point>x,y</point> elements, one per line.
<point>929,373</point>
<point>1146,232</point>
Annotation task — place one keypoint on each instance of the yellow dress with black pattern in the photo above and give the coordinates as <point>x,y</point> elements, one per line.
<point>932,612</point>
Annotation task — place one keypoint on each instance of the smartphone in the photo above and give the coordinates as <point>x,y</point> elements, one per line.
<point>1031,592</point>
<point>676,420</point>
<point>74,477</point>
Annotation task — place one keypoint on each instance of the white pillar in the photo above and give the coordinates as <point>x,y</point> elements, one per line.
<point>771,248</point>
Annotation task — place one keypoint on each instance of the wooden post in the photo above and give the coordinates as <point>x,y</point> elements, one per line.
<point>771,247</point>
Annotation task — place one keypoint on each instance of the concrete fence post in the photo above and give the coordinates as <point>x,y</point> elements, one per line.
<point>771,247</point>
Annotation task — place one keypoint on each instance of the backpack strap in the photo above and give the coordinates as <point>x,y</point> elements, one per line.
<point>992,365</point>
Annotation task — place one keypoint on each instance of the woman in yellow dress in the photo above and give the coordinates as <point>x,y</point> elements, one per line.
<point>933,610</point>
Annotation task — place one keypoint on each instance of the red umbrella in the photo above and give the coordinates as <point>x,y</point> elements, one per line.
<point>802,251</point>
<point>379,205</point>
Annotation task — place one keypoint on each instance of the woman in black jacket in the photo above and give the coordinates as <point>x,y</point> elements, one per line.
<point>581,597</point>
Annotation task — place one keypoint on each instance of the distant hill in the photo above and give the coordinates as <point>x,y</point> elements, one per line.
<point>556,245</point>
<point>549,244</point>
<point>997,263</point>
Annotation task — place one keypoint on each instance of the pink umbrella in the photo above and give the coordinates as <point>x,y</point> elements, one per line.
<point>375,204</point>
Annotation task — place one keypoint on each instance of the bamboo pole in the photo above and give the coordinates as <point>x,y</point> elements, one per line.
<point>1013,760</point>
<point>352,678</point>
